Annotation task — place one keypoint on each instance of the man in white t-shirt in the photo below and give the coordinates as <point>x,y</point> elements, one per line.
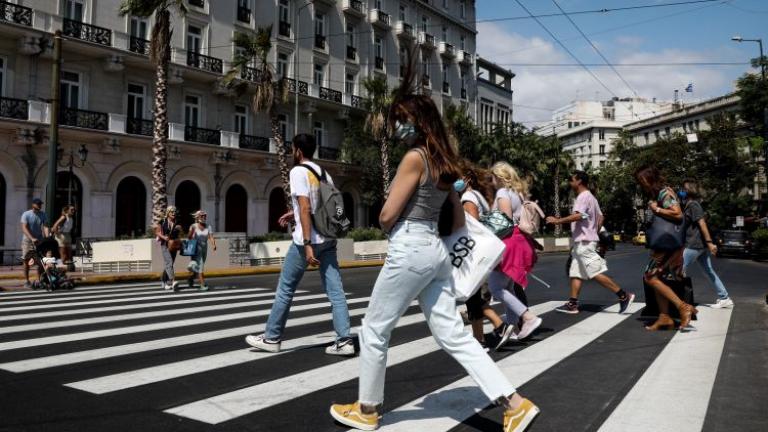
<point>308,248</point>
<point>586,219</point>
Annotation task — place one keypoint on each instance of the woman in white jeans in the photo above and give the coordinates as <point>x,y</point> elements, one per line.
<point>417,266</point>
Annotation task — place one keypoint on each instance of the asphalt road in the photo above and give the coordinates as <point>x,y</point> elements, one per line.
<point>134,358</point>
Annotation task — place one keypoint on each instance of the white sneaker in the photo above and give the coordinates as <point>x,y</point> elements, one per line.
<point>722,303</point>
<point>528,328</point>
<point>166,286</point>
<point>262,343</point>
<point>344,347</point>
<point>507,334</point>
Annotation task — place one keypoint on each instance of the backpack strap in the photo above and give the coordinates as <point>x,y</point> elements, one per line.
<point>321,177</point>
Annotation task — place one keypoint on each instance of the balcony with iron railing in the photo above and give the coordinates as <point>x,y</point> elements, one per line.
<point>243,14</point>
<point>303,87</point>
<point>353,7</point>
<point>379,63</point>
<point>202,135</point>
<point>253,142</point>
<point>320,42</point>
<point>426,40</point>
<point>379,18</point>
<point>250,74</point>
<point>403,29</point>
<point>87,32</point>
<point>351,53</point>
<point>330,94</point>
<point>139,45</point>
<point>204,62</point>
<point>284,29</point>
<point>14,108</point>
<point>139,126</point>
<point>84,119</point>
<point>447,49</point>
<point>356,101</point>
<point>16,14</point>
<point>329,153</point>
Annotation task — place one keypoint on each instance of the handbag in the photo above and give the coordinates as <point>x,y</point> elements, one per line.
<point>174,245</point>
<point>473,251</point>
<point>498,223</point>
<point>189,247</point>
<point>665,235</point>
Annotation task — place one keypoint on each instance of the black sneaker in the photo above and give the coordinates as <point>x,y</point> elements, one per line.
<point>625,302</point>
<point>569,308</point>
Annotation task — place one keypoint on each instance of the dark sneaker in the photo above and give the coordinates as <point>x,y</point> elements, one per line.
<point>569,308</point>
<point>625,302</point>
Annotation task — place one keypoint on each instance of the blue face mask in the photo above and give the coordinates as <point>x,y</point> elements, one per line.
<point>682,194</point>
<point>459,185</point>
<point>406,132</point>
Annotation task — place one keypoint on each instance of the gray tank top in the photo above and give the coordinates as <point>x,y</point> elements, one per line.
<point>426,202</point>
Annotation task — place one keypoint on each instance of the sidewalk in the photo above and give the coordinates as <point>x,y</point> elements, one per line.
<point>13,280</point>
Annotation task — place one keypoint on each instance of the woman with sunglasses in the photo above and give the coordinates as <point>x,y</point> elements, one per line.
<point>167,234</point>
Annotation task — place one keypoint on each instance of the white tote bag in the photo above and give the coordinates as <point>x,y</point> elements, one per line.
<point>473,252</point>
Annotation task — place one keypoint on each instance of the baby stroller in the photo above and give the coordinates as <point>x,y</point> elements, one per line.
<point>53,276</point>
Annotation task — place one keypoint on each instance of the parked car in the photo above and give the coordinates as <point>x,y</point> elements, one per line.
<point>733,242</point>
<point>639,239</point>
<point>617,237</point>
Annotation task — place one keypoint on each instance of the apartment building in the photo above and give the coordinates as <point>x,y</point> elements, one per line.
<point>221,155</point>
<point>494,95</point>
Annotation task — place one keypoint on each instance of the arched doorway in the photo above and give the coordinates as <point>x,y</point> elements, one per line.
<point>277,207</point>
<point>349,207</point>
<point>69,191</point>
<point>130,208</point>
<point>236,209</point>
<point>2,212</point>
<point>187,202</point>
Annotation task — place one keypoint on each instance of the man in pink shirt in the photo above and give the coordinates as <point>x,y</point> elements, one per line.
<point>586,219</point>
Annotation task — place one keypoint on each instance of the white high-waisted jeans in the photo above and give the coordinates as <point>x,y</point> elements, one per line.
<point>417,266</point>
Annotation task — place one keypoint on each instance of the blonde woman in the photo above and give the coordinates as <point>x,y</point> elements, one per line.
<point>201,232</point>
<point>511,189</point>
<point>62,231</point>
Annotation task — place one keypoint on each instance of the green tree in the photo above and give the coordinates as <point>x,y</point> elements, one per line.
<point>160,55</point>
<point>377,105</point>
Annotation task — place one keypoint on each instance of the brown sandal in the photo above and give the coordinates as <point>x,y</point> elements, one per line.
<point>664,322</point>
<point>686,314</point>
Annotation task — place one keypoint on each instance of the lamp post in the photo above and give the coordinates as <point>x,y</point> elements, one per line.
<point>296,70</point>
<point>760,43</point>
<point>70,163</point>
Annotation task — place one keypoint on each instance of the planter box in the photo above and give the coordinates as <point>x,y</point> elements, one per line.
<point>551,244</point>
<point>273,253</point>
<point>146,255</point>
<point>371,250</point>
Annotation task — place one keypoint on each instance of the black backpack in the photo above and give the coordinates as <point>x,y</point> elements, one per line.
<point>329,219</point>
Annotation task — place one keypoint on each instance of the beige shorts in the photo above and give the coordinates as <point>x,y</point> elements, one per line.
<point>64,239</point>
<point>27,247</point>
<point>586,263</point>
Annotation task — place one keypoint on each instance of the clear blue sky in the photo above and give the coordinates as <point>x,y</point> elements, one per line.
<point>684,33</point>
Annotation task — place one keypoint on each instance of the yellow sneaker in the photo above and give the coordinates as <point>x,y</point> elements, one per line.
<point>519,419</point>
<point>352,416</point>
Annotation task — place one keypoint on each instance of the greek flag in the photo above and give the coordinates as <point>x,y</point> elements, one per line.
<point>689,89</point>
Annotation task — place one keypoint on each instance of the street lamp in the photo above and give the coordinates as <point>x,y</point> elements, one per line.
<point>70,162</point>
<point>296,71</point>
<point>760,43</point>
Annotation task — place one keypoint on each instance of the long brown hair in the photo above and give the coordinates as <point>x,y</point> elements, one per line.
<point>478,179</point>
<point>420,109</point>
<point>652,176</point>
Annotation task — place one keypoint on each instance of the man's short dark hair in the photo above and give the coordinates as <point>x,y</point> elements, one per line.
<point>582,176</point>
<point>306,143</point>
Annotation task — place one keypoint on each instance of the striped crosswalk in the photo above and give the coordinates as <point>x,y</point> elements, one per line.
<point>182,356</point>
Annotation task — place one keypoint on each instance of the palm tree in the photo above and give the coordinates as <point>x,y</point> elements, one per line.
<point>377,105</point>
<point>554,160</point>
<point>160,55</point>
<point>252,61</point>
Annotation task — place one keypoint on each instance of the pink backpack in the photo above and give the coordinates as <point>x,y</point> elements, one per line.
<point>530,217</point>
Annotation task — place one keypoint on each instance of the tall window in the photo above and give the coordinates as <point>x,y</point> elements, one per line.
<point>192,111</point>
<point>136,101</point>
<point>284,11</point>
<point>602,149</point>
<point>350,83</point>
<point>139,27</point>
<point>319,133</point>
<point>462,43</point>
<point>425,63</point>
<point>70,89</point>
<point>241,119</point>
<point>446,86</point>
<point>320,24</point>
<point>445,4</point>
<point>319,74</point>
<point>351,34</point>
<point>378,47</point>
<point>425,23</point>
<point>401,14</point>
<point>445,34</point>
<point>378,5</point>
<point>282,65</point>
<point>74,9</point>
<point>601,134</point>
<point>194,38</point>
<point>463,8</point>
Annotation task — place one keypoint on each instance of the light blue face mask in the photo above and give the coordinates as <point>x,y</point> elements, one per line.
<point>406,132</point>
<point>459,185</point>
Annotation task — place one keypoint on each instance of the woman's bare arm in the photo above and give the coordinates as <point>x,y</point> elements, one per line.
<point>403,187</point>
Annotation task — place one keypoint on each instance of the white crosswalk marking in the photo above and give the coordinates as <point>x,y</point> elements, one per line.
<point>673,393</point>
<point>231,405</point>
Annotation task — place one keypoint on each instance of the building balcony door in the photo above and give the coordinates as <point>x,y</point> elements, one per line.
<point>130,208</point>
<point>187,198</point>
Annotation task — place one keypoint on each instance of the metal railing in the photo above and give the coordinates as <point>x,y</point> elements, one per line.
<point>328,153</point>
<point>320,41</point>
<point>356,5</point>
<point>303,86</point>
<point>84,119</point>
<point>379,62</point>
<point>330,94</point>
<point>382,17</point>
<point>204,62</point>
<point>139,45</point>
<point>357,101</point>
<point>14,108</point>
<point>243,14</point>
<point>284,28</point>
<point>448,49</point>
<point>253,142</point>
<point>87,32</point>
<point>202,135</point>
<point>427,39</point>
<point>250,74</point>
<point>351,53</point>
<point>16,14</point>
<point>138,126</point>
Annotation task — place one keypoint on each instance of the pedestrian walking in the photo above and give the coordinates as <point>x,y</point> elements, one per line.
<point>664,263</point>
<point>62,232</point>
<point>168,234</point>
<point>418,266</point>
<point>200,232</point>
<point>699,246</point>
<point>586,220</point>
<point>474,190</point>
<point>34,228</point>
<point>507,286</point>
<point>308,248</point>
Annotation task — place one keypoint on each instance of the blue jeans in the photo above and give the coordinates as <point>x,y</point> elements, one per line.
<point>704,258</point>
<point>417,266</point>
<point>290,276</point>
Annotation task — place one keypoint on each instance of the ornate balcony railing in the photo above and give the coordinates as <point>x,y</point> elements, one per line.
<point>198,3</point>
<point>84,119</point>
<point>139,45</point>
<point>284,29</point>
<point>427,39</point>
<point>253,142</point>
<point>355,5</point>
<point>351,53</point>
<point>357,101</point>
<point>14,108</point>
<point>250,74</point>
<point>328,153</point>
<point>320,41</point>
<point>330,94</point>
<point>379,63</point>
<point>16,14</point>
<point>202,135</point>
<point>380,17</point>
<point>204,62</point>
<point>137,126</point>
<point>303,86</point>
<point>87,32</point>
<point>243,14</point>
